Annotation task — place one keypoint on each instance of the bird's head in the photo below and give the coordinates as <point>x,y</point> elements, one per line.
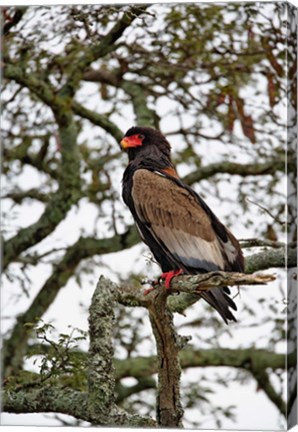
<point>145,140</point>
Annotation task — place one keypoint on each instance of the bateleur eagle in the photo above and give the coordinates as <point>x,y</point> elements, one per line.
<point>181,231</point>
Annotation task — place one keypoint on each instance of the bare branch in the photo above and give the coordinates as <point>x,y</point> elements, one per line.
<point>204,282</point>
<point>102,48</point>
<point>233,168</point>
<point>255,242</point>
<point>264,209</point>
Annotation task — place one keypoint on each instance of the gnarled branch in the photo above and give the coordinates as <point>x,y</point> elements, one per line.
<point>97,405</point>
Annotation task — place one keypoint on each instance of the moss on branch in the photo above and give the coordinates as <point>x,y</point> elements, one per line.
<point>15,347</point>
<point>101,373</point>
<point>97,405</point>
<point>271,258</point>
<point>99,120</point>
<point>258,359</point>
<point>169,410</point>
<point>46,399</point>
<point>144,115</point>
<point>69,190</point>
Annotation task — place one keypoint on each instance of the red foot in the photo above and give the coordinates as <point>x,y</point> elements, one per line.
<point>168,276</point>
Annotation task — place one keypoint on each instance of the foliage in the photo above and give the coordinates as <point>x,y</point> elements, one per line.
<point>216,79</point>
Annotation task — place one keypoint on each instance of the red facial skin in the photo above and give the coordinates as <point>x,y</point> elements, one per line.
<point>132,141</point>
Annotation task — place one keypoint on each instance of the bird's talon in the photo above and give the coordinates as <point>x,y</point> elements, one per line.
<point>168,276</point>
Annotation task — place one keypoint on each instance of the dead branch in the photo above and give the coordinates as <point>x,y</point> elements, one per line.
<point>204,282</point>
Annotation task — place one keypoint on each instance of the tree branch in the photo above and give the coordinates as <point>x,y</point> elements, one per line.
<point>101,374</point>
<point>168,405</point>
<point>101,49</point>
<point>15,347</point>
<point>99,120</point>
<point>18,196</point>
<point>141,367</point>
<point>271,258</point>
<point>101,407</point>
<point>46,399</point>
<point>190,286</point>
<point>255,242</point>
<point>204,282</point>
<point>69,191</point>
<point>275,258</point>
<point>234,168</point>
<point>264,383</point>
<point>44,91</point>
<point>97,405</point>
<point>101,380</point>
<point>144,115</point>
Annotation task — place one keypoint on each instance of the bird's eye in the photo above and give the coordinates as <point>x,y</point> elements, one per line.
<point>140,136</point>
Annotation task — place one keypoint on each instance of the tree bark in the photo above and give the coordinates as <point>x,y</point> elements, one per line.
<point>97,405</point>
<point>169,410</point>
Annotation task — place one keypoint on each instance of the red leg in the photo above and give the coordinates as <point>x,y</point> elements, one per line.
<point>168,276</point>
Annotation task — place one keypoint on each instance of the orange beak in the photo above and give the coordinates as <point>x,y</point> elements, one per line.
<point>124,143</point>
<point>131,141</point>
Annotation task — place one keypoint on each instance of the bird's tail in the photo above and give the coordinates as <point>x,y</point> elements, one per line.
<point>220,300</point>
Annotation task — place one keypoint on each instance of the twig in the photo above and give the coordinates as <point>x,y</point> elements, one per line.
<point>267,211</point>
<point>254,242</point>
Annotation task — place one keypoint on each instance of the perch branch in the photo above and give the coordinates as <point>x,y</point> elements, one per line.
<point>270,258</point>
<point>190,286</point>
<point>168,406</point>
<point>204,282</point>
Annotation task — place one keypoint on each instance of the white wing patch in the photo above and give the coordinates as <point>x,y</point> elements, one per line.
<point>189,248</point>
<point>230,250</point>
